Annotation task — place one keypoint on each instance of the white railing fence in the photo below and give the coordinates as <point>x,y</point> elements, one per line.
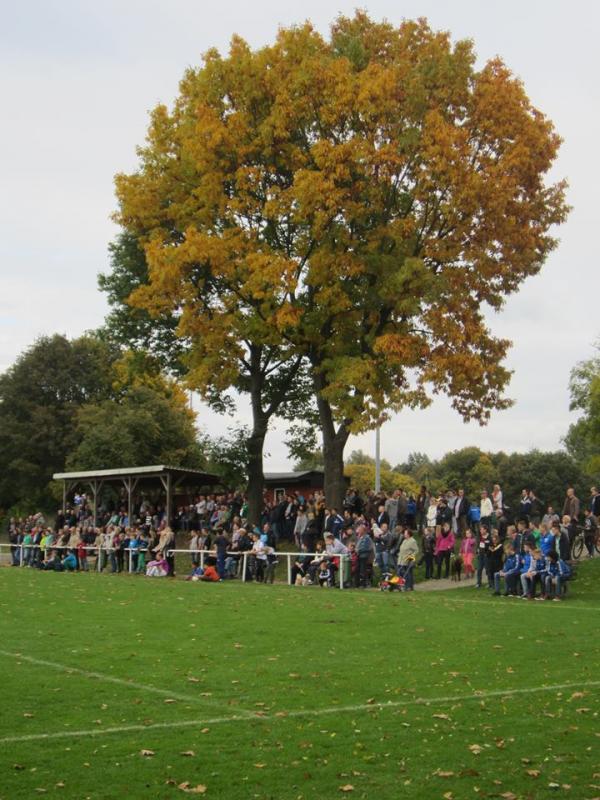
<point>30,553</point>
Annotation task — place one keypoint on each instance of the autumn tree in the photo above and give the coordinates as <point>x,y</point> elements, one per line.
<point>361,202</point>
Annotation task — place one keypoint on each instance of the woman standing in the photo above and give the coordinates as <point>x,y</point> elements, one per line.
<point>443,548</point>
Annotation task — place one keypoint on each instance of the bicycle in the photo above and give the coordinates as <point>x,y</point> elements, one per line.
<point>579,543</point>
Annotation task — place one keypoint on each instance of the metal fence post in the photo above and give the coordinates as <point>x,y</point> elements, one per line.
<point>289,568</point>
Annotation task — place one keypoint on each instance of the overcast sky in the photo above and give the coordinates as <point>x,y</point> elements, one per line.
<point>78,79</point>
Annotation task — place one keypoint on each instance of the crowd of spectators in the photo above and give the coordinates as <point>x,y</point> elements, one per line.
<point>368,539</point>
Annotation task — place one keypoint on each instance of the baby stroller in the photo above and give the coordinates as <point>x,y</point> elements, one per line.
<point>391,583</point>
<point>405,574</point>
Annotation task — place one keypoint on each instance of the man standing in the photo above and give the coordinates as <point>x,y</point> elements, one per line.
<point>422,506</point>
<point>364,550</point>
<point>595,502</point>
<point>571,507</point>
<point>525,505</point>
<point>459,513</point>
<point>590,531</point>
<point>391,507</point>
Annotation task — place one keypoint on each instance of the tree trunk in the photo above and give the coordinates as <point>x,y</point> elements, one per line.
<point>334,442</point>
<point>333,457</point>
<point>256,477</point>
<point>256,443</point>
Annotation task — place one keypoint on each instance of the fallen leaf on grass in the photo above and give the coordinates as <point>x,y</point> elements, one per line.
<point>18,766</point>
<point>448,796</point>
<point>475,749</point>
<point>347,787</point>
<point>582,710</point>
<point>147,753</point>
<point>199,789</point>
<point>191,679</point>
<point>441,716</point>
<point>29,716</point>
<point>576,696</point>
<point>60,785</point>
<point>533,773</point>
<point>260,766</point>
<point>187,753</point>
<point>554,785</point>
<point>441,774</point>
<point>169,700</point>
<point>509,796</point>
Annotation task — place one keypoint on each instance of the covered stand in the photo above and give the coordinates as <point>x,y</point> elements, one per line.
<point>170,477</point>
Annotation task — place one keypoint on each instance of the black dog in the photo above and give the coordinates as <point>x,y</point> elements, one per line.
<point>456,566</point>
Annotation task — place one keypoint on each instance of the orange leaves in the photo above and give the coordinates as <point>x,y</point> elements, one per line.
<point>358,200</point>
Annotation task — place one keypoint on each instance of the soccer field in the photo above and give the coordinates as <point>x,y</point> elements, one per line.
<point>117,686</point>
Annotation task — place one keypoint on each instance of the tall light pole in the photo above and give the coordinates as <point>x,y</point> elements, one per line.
<point>378,458</point>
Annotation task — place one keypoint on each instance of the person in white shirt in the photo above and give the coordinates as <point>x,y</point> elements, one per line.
<point>486,510</point>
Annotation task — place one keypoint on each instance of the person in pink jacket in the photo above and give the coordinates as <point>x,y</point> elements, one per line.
<point>443,548</point>
<point>467,552</point>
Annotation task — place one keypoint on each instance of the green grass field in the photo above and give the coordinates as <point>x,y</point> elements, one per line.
<point>285,692</point>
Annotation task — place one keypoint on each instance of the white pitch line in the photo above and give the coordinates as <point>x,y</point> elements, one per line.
<point>143,687</point>
<point>510,604</point>
<point>314,712</point>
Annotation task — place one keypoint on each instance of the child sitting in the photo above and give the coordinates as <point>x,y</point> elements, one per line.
<point>558,572</point>
<point>159,568</point>
<point>210,574</point>
<point>325,574</point>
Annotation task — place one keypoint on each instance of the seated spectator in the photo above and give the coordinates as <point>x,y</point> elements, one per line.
<point>325,574</point>
<point>210,574</point>
<point>510,572</point>
<point>70,562</point>
<point>158,568</point>
<point>557,574</point>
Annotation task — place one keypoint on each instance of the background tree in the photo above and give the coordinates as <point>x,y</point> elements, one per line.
<point>227,456</point>
<point>361,202</point>
<point>144,426</point>
<point>146,421</point>
<point>583,437</point>
<point>133,328</point>
<point>358,457</point>
<point>362,477</point>
<point>548,474</point>
<point>40,396</point>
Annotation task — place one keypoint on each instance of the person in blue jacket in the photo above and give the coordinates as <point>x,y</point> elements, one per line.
<point>510,572</point>
<point>546,540</point>
<point>558,572</point>
<point>533,568</point>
